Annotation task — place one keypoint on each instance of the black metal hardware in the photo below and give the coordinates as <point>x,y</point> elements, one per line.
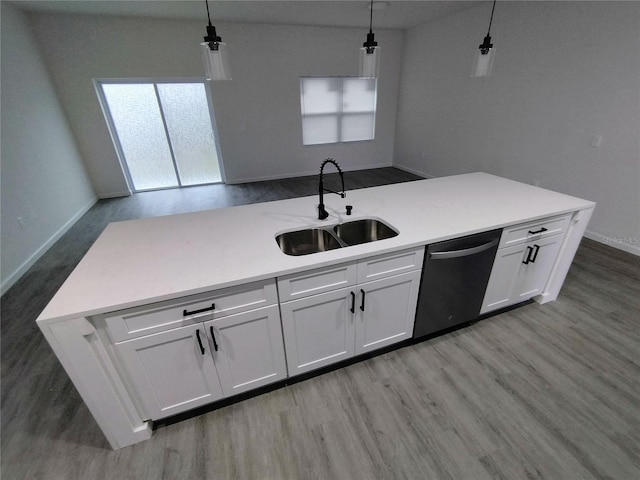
<point>371,44</point>
<point>362,304</point>
<point>535,253</point>
<point>202,310</point>
<point>212,38</point>
<point>353,302</point>
<point>322,212</point>
<point>349,208</point>
<point>532,254</point>
<point>538,231</point>
<point>213,337</point>
<point>199,341</point>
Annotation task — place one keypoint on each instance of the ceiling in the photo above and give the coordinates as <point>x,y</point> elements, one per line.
<point>396,14</point>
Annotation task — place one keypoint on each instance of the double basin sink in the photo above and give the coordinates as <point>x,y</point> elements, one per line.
<point>321,239</point>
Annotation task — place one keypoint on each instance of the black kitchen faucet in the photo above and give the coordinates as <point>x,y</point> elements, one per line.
<point>322,213</point>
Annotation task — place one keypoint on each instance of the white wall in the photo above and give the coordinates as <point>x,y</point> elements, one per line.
<point>257,113</point>
<point>564,72</point>
<point>44,182</point>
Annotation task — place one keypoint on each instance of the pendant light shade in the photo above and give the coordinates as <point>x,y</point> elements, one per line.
<point>370,53</point>
<point>483,62</point>
<point>214,54</point>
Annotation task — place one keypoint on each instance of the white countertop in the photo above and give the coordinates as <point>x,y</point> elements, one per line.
<point>160,258</point>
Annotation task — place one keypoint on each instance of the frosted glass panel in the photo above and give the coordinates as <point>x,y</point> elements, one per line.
<point>321,95</point>
<point>138,123</point>
<point>337,109</point>
<point>189,124</point>
<point>320,129</point>
<point>357,127</point>
<point>359,95</point>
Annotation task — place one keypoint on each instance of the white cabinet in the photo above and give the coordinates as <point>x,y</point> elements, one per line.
<point>247,349</point>
<point>324,328</point>
<point>387,311</point>
<point>318,330</point>
<point>210,358</point>
<point>524,262</point>
<point>169,372</point>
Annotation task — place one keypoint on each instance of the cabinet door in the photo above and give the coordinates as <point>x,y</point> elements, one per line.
<point>389,311</point>
<point>504,276</point>
<point>318,330</point>
<point>513,281</point>
<point>533,276</point>
<point>247,349</point>
<point>169,371</point>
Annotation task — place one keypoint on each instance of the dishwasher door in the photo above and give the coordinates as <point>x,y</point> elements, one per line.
<point>454,279</point>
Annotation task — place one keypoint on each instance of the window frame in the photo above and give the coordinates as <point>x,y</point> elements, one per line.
<point>340,114</point>
<point>104,106</point>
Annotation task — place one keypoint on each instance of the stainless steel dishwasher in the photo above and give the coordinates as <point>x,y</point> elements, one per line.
<point>454,278</point>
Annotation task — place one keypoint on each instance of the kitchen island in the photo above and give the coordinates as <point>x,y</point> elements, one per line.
<point>161,260</point>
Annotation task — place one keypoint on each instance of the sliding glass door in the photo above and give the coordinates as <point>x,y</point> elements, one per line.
<point>163,132</point>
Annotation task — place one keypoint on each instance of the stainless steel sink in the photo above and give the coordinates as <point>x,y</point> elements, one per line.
<point>304,242</point>
<point>314,240</point>
<point>363,231</point>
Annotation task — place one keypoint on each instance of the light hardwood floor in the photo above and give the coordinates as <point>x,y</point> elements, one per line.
<point>548,391</point>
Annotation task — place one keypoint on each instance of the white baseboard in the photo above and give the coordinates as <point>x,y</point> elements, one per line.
<point>411,170</point>
<point>125,193</point>
<point>300,174</point>
<point>629,245</point>
<point>33,258</point>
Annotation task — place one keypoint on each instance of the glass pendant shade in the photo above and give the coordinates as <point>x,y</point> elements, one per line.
<point>216,62</point>
<point>369,62</point>
<point>483,63</point>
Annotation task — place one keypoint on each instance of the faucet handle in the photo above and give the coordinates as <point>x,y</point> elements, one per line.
<point>349,208</point>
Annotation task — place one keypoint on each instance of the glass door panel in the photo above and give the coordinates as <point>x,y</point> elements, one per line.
<point>163,132</point>
<point>138,123</point>
<point>189,125</point>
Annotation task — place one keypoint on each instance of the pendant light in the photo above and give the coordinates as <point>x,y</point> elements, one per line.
<point>370,53</point>
<point>214,54</point>
<point>484,58</point>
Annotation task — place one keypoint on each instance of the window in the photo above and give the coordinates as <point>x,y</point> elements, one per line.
<point>163,132</point>
<point>337,109</point>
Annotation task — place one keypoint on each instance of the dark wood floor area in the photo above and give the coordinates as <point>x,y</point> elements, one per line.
<point>539,392</point>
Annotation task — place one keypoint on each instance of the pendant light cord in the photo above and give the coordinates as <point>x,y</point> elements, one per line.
<point>371,17</point>
<point>209,16</point>
<point>490,20</point>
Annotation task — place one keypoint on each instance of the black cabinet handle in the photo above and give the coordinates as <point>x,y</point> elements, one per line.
<point>353,303</point>
<point>213,337</point>
<point>202,310</point>
<point>536,249</point>
<point>527,260</point>
<point>362,304</point>
<point>199,341</point>
<point>538,231</point>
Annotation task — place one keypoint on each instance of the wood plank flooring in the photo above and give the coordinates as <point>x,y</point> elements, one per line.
<point>546,392</point>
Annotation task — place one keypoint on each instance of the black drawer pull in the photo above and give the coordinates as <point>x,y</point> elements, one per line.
<point>353,303</point>
<point>362,304</point>
<point>185,313</point>
<point>542,230</point>
<point>213,337</point>
<point>200,341</point>
<point>527,260</point>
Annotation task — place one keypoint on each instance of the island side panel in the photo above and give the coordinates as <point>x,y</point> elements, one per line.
<point>84,357</point>
<point>572,239</point>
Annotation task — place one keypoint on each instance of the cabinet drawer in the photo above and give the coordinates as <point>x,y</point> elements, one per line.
<point>534,230</point>
<point>147,319</point>
<point>390,264</point>
<point>312,282</point>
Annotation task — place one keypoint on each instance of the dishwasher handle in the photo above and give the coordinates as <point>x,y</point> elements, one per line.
<point>464,252</point>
